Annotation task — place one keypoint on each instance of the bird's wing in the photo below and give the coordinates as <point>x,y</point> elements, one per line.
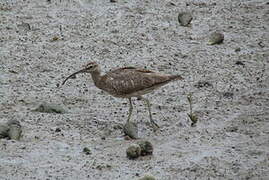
<point>126,70</point>
<point>129,80</point>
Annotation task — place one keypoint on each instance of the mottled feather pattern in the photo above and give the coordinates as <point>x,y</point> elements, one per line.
<point>130,80</point>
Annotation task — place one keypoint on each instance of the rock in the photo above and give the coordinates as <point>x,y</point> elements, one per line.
<point>215,38</point>
<point>146,148</point>
<point>148,177</point>
<point>87,151</point>
<point>133,151</point>
<point>184,18</point>
<point>11,130</point>
<point>49,108</point>
<point>130,129</point>
<point>15,132</point>
<point>4,130</point>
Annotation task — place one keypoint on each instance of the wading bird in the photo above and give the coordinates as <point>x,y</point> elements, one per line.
<point>127,82</point>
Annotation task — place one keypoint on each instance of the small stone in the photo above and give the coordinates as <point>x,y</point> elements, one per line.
<point>215,38</point>
<point>4,130</point>
<point>87,151</point>
<point>133,151</point>
<point>184,18</point>
<point>113,1</point>
<point>49,108</point>
<point>148,177</point>
<point>14,132</point>
<point>130,129</point>
<point>146,148</point>
<point>11,130</point>
<point>237,49</point>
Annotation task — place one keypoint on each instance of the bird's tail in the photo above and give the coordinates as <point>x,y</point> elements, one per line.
<point>176,77</point>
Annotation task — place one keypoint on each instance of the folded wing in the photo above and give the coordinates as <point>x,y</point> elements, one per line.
<point>130,80</point>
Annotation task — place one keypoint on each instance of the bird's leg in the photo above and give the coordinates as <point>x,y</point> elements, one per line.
<point>130,110</point>
<point>149,109</point>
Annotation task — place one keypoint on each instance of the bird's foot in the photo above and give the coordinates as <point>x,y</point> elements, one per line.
<point>155,126</point>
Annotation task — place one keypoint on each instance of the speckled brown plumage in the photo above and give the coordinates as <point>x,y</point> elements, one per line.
<point>131,82</point>
<point>127,82</point>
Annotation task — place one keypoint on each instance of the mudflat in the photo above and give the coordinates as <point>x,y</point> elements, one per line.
<point>43,42</point>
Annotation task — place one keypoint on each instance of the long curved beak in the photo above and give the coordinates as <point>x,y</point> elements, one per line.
<point>72,75</point>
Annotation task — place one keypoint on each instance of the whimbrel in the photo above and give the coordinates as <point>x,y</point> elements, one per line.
<point>127,82</point>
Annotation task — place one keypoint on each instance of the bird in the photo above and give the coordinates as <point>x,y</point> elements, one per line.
<point>127,82</point>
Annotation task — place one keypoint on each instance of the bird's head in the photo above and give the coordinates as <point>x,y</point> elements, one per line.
<point>88,68</point>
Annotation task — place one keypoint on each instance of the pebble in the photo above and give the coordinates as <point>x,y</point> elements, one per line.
<point>133,151</point>
<point>146,147</point>
<point>130,129</point>
<point>216,38</point>
<point>11,130</point>
<point>184,18</point>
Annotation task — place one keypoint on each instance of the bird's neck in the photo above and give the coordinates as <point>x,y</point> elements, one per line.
<point>96,77</point>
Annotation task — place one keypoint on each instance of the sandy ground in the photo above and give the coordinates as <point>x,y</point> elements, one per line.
<point>42,42</point>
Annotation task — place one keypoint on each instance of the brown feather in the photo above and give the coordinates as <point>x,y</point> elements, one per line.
<point>128,81</point>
